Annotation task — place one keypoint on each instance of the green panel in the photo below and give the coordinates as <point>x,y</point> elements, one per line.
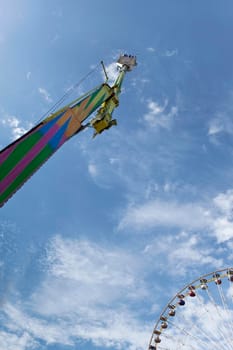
<point>93,96</point>
<point>19,152</point>
<point>27,172</point>
<point>98,104</point>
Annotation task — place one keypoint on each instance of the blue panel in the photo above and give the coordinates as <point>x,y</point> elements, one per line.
<point>45,128</point>
<point>55,140</point>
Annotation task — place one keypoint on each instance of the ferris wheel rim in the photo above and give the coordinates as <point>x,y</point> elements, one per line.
<point>215,274</point>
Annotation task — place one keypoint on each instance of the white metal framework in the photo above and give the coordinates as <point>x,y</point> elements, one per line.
<point>199,316</point>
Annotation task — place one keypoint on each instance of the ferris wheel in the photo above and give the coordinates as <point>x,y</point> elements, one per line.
<point>199,316</point>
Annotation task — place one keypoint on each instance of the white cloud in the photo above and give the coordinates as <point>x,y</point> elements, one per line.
<point>86,295</point>
<point>63,255</point>
<point>169,187</point>
<point>215,127</point>
<point>19,321</point>
<point>223,229</point>
<point>44,93</point>
<point>150,49</point>
<point>157,115</point>
<point>112,72</point>
<point>94,293</point>
<point>14,124</point>
<point>170,53</point>
<point>166,214</point>
<point>223,220</point>
<point>110,274</point>
<point>155,108</point>
<point>222,123</point>
<point>92,169</point>
<point>12,341</point>
<point>216,217</point>
<point>184,252</point>
<point>224,202</point>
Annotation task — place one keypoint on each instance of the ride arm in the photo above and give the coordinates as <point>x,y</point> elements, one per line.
<point>23,157</point>
<point>103,120</point>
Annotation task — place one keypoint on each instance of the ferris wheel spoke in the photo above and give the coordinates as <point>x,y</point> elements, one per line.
<point>199,331</point>
<point>190,335</point>
<point>230,290</point>
<point>222,329</point>
<point>211,317</point>
<point>184,339</point>
<point>226,308</point>
<point>199,316</point>
<point>213,337</point>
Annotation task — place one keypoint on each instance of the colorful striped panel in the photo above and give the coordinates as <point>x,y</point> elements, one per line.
<point>22,158</point>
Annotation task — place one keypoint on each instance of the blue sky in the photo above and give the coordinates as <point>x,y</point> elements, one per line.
<point>102,236</point>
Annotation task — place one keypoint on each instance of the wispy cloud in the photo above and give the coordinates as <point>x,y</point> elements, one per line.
<point>184,251</point>
<point>19,321</point>
<point>86,294</point>
<point>215,127</point>
<point>159,213</point>
<point>151,49</point>
<point>221,123</point>
<point>93,292</point>
<point>170,53</point>
<point>44,93</point>
<point>103,328</point>
<point>14,341</point>
<point>223,221</point>
<point>14,124</point>
<point>96,268</point>
<point>167,53</point>
<point>216,216</point>
<point>224,202</point>
<point>112,72</point>
<point>92,169</point>
<point>158,116</point>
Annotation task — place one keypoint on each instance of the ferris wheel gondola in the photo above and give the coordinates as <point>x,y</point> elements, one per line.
<point>199,316</point>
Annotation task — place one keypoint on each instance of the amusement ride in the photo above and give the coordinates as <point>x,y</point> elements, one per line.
<point>199,316</point>
<point>23,157</point>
